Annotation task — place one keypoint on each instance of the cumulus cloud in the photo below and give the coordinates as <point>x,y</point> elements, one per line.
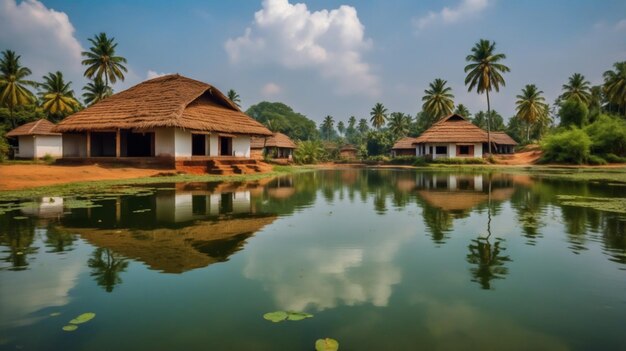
<point>42,36</point>
<point>448,15</point>
<point>271,89</point>
<point>154,74</point>
<point>331,42</point>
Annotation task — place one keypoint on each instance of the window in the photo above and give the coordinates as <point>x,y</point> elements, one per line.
<point>441,150</point>
<point>464,150</point>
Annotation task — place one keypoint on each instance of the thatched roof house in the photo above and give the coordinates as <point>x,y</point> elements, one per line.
<point>36,139</point>
<point>504,143</point>
<point>403,147</point>
<point>170,116</point>
<point>348,152</point>
<point>453,136</point>
<point>278,145</point>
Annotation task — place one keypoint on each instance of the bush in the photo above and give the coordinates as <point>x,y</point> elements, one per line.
<point>47,158</point>
<point>403,160</point>
<point>608,135</point>
<point>613,158</point>
<point>459,161</point>
<point>567,146</point>
<point>4,147</point>
<point>596,160</point>
<point>573,113</point>
<point>310,151</point>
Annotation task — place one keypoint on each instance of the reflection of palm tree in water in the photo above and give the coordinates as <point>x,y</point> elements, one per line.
<point>106,267</point>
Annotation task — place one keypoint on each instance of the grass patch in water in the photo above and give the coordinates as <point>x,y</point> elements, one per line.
<point>608,204</point>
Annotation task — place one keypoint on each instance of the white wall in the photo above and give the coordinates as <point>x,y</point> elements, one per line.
<point>478,150</point>
<point>26,145</point>
<point>48,145</point>
<point>182,143</point>
<point>213,139</point>
<point>164,142</point>
<point>74,145</point>
<point>241,146</point>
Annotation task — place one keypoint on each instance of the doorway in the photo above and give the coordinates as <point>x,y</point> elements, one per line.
<point>198,145</point>
<point>226,146</point>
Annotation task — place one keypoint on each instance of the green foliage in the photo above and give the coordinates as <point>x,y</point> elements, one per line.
<point>279,316</point>
<point>573,112</point>
<point>57,98</point>
<point>21,115</point>
<point>404,160</point>
<point>4,146</point>
<point>47,158</point>
<point>596,160</point>
<point>567,146</point>
<point>379,143</point>
<point>96,91</point>
<point>378,115</point>
<point>459,161</point>
<point>497,122</point>
<point>282,118</point>
<point>101,60</point>
<point>608,135</point>
<point>615,86</point>
<point>578,89</point>
<point>438,99</point>
<point>309,152</point>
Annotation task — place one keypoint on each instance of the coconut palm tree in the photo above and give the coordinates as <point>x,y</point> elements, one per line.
<point>485,73</point>
<point>462,111</point>
<point>13,83</point>
<point>379,115</point>
<point>234,97</point>
<point>438,99</point>
<point>96,91</point>
<point>530,106</point>
<point>341,127</point>
<point>57,98</point>
<point>577,88</point>
<point>101,60</point>
<point>363,127</point>
<point>615,85</point>
<point>327,126</point>
<point>399,124</point>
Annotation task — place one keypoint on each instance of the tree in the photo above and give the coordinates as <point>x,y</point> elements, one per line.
<point>363,127</point>
<point>13,84</point>
<point>485,73</point>
<point>423,121</point>
<point>379,115</point>
<point>341,127</point>
<point>530,106</point>
<point>327,127</point>
<point>57,98</point>
<point>106,267</point>
<point>573,112</point>
<point>438,99</point>
<point>101,60</point>
<point>96,91</point>
<point>399,124</point>
<point>284,119</point>
<point>483,119</point>
<point>351,130</point>
<point>615,85</point>
<point>577,88</point>
<point>461,110</point>
<point>234,97</point>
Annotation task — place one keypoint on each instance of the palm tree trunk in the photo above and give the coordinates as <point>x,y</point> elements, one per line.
<point>488,123</point>
<point>13,124</point>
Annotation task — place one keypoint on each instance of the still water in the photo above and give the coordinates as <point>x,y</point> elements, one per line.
<point>383,259</point>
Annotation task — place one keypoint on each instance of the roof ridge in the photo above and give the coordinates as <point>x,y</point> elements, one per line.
<point>35,125</point>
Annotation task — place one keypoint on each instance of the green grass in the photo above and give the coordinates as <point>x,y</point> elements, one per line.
<point>121,186</point>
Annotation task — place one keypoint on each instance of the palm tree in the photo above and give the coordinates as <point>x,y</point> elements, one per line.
<point>577,88</point>
<point>101,60</point>
<point>13,83</point>
<point>399,124</point>
<point>56,96</point>
<point>379,115</point>
<point>461,110</point>
<point>530,106</point>
<point>351,122</point>
<point>96,91</point>
<point>234,97</point>
<point>341,127</point>
<point>438,99</point>
<point>485,73</point>
<point>615,85</point>
<point>363,127</point>
<point>327,126</point>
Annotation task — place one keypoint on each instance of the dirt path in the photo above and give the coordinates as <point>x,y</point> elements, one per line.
<point>18,176</point>
<point>519,158</point>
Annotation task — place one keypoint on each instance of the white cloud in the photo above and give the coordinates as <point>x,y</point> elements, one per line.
<point>42,36</point>
<point>448,15</point>
<point>332,42</point>
<point>271,89</point>
<point>154,74</point>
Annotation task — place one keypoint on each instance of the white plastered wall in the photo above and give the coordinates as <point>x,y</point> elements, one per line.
<point>241,146</point>
<point>26,146</point>
<point>164,142</point>
<point>48,145</point>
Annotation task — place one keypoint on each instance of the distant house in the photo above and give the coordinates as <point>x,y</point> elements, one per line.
<point>170,118</point>
<point>36,140</point>
<point>404,147</point>
<point>504,143</point>
<point>348,152</point>
<point>277,146</point>
<point>455,136</point>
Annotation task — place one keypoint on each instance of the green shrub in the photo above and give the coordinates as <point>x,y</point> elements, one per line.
<point>308,152</point>
<point>608,135</point>
<point>567,146</point>
<point>403,160</point>
<point>459,161</point>
<point>596,160</point>
<point>613,158</point>
<point>420,161</point>
<point>4,147</point>
<point>573,113</point>
<point>47,158</point>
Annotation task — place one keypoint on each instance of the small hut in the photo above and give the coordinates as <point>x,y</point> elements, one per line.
<point>348,152</point>
<point>403,147</point>
<point>504,143</point>
<point>276,146</point>
<point>36,140</point>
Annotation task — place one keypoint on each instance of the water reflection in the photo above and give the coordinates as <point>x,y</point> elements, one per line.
<point>488,260</point>
<point>106,267</point>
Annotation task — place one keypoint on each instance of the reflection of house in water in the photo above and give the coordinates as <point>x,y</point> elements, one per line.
<point>47,207</point>
<point>173,230</point>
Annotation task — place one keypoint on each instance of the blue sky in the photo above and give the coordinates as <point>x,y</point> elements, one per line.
<point>326,57</point>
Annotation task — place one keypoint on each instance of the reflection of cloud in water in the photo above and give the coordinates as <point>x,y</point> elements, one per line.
<point>318,274</point>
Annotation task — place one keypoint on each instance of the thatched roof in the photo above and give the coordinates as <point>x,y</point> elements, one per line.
<point>453,129</point>
<point>404,143</point>
<point>168,101</point>
<point>502,138</point>
<point>39,127</point>
<point>463,200</point>
<point>276,140</point>
<point>348,147</point>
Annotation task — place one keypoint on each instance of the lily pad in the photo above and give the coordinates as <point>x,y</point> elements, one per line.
<point>83,318</point>
<point>276,317</point>
<point>20,217</point>
<point>298,316</point>
<point>327,344</point>
<point>70,327</point>
<point>54,314</point>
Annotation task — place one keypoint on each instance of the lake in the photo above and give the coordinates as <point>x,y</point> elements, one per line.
<point>382,259</point>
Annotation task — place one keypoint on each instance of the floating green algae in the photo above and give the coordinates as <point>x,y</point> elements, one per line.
<point>70,327</point>
<point>326,344</point>
<point>608,204</point>
<point>83,318</point>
